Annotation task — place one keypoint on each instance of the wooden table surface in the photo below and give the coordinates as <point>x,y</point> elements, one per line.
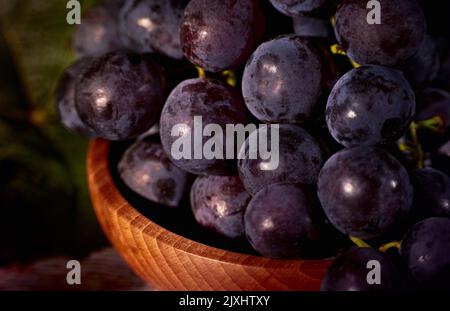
<point>102,270</point>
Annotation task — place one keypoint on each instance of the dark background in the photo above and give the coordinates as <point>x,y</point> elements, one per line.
<point>46,217</point>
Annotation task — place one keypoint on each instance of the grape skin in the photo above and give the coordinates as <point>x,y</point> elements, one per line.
<point>275,86</point>
<point>426,251</point>
<point>281,221</point>
<point>431,193</point>
<point>120,95</point>
<point>114,6</point>
<point>397,38</point>
<point>424,66</point>
<point>443,80</point>
<point>65,100</point>
<point>364,192</point>
<point>433,102</point>
<point>311,26</point>
<point>216,103</point>
<point>300,160</point>
<point>146,169</point>
<point>221,34</point>
<point>445,149</point>
<point>97,34</point>
<point>219,203</point>
<point>153,25</point>
<point>370,105</point>
<point>349,272</point>
<point>294,8</point>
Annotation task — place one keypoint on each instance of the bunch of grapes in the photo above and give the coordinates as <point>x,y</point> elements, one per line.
<point>362,108</point>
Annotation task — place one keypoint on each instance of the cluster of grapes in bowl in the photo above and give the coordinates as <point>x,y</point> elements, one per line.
<point>362,109</point>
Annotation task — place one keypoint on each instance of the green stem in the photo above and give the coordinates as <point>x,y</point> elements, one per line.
<point>418,146</point>
<point>359,242</point>
<point>231,77</point>
<point>394,244</point>
<point>338,50</point>
<point>435,124</point>
<point>201,72</point>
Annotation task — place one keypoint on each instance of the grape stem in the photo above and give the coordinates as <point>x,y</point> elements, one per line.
<point>359,242</point>
<point>435,124</point>
<point>418,146</point>
<point>405,148</point>
<point>338,50</point>
<point>394,244</point>
<point>201,72</point>
<point>230,77</point>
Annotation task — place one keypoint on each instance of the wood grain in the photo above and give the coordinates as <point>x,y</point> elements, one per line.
<point>168,261</point>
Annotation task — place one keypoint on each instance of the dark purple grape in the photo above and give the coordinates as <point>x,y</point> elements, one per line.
<point>440,160</point>
<point>311,26</point>
<point>426,251</point>
<point>424,66</point>
<point>397,38</point>
<point>120,95</point>
<point>153,25</point>
<point>219,203</point>
<point>275,86</point>
<point>146,169</point>
<point>221,34</point>
<point>370,105</point>
<point>443,80</point>
<point>65,100</point>
<point>282,221</point>
<point>437,150</point>
<point>431,193</point>
<point>114,7</point>
<point>445,149</point>
<point>433,102</point>
<point>294,8</point>
<point>97,34</point>
<point>364,192</point>
<point>215,103</point>
<point>299,160</point>
<point>350,272</point>
<point>427,96</point>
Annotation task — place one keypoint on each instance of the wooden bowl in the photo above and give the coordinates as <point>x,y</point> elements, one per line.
<point>168,261</point>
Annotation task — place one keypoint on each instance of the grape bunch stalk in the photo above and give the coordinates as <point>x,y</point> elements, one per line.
<point>363,111</point>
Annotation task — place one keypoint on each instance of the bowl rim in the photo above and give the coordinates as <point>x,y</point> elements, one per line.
<point>105,187</point>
